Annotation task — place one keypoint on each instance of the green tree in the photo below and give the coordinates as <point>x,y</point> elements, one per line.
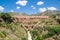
<point>6,17</point>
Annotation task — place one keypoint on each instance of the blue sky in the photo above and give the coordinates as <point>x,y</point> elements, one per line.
<point>29,6</point>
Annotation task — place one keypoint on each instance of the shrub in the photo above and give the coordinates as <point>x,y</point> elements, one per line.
<point>58,20</point>
<point>24,39</point>
<point>52,31</point>
<point>56,29</point>
<point>0,24</point>
<point>49,34</point>
<point>6,17</point>
<point>11,27</point>
<point>36,35</point>
<point>40,37</point>
<point>2,34</point>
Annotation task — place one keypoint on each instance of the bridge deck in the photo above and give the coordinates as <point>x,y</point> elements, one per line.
<point>30,16</point>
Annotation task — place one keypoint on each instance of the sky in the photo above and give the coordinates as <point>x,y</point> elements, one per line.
<point>29,6</point>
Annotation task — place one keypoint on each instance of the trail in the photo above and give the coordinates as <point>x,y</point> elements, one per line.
<point>29,36</point>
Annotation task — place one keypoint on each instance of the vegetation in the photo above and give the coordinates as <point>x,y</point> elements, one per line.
<point>37,33</point>
<point>10,30</point>
<point>16,31</point>
<point>6,17</point>
<point>52,31</point>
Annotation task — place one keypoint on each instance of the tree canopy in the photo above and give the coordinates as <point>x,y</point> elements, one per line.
<point>6,17</point>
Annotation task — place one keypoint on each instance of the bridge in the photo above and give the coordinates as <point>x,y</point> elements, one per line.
<point>29,21</point>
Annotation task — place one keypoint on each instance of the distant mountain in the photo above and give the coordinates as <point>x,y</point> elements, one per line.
<point>46,13</point>
<point>49,13</point>
<point>15,13</point>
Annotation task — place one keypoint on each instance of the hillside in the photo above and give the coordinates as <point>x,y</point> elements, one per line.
<point>42,29</point>
<point>15,13</point>
<point>46,13</point>
<point>49,13</point>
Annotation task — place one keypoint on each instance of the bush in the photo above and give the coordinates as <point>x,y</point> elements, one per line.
<point>40,37</point>
<point>56,29</point>
<point>24,39</point>
<point>0,24</point>
<point>53,16</point>
<point>6,17</point>
<point>11,27</point>
<point>3,34</point>
<point>52,31</point>
<point>49,34</point>
<point>58,20</point>
<point>36,34</point>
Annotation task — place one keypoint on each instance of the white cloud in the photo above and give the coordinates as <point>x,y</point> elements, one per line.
<point>22,2</point>
<point>40,3</point>
<point>18,7</point>
<point>51,8</point>
<point>42,9</point>
<point>1,8</point>
<point>12,10</point>
<point>33,7</point>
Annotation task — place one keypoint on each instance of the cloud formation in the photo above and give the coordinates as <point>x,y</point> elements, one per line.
<point>40,3</point>
<point>33,7</point>
<point>22,2</point>
<point>18,7</point>
<point>51,8</point>
<point>42,9</point>
<point>48,8</point>
<point>1,8</point>
<point>12,11</point>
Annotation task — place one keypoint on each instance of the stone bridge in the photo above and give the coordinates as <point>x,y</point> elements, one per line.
<point>29,21</point>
